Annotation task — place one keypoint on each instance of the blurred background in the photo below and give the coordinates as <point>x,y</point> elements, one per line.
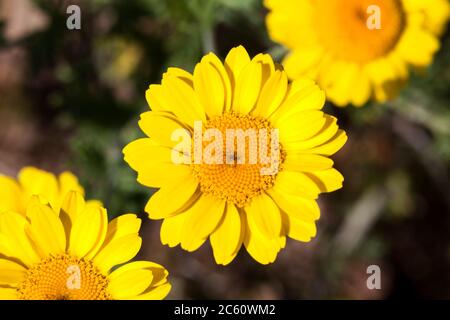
<point>71,99</point>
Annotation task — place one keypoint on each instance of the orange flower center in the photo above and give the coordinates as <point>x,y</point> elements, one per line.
<point>359,30</point>
<point>248,164</point>
<point>64,278</point>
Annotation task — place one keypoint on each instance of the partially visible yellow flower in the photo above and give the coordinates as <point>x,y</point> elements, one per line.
<point>339,44</point>
<point>70,255</point>
<point>225,196</point>
<point>15,194</point>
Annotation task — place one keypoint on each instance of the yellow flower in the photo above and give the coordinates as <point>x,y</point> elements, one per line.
<point>357,49</point>
<point>69,254</point>
<point>224,196</point>
<point>15,194</point>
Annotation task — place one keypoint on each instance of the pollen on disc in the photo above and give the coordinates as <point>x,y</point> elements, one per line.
<point>63,277</point>
<point>239,179</point>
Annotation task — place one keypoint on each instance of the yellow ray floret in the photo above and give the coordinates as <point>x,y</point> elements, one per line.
<point>357,50</point>
<point>217,191</point>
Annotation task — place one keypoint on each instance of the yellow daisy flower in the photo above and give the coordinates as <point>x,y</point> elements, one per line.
<point>70,254</point>
<point>234,195</point>
<point>357,49</point>
<point>15,194</point>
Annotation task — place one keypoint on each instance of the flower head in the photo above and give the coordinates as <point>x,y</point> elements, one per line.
<point>239,155</point>
<point>69,253</point>
<point>357,49</point>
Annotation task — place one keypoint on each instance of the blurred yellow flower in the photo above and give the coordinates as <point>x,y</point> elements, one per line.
<point>69,254</point>
<point>15,194</point>
<point>357,49</point>
<point>236,196</point>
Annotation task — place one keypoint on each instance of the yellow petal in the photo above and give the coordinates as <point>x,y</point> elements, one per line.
<point>272,94</point>
<point>121,226</point>
<point>150,160</point>
<point>153,163</point>
<point>212,85</point>
<point>235,62</point>
<point>160,126</point>
<point>181,74</point>
<point>362,89</point>
<point>300,126</point>
<point>267,67</point>
<point>201,220</point>
<point>5,248</point>
<point>248,86</point>
<point>299,229</point>
<point>156,99</point>
<point>264,215</point>
<point>328,130</point>
<point>156,94</point>
<point>183,101</point>
<point>88,232</point>
<point>331,146</point>
<point>46,229</point>
<point>261,249</point>
<point>303,208</point>
<point>38,182</point>
<point>217,63</point>
<point>158,175</point>
<point>135,265</point>
<point>437,13</point>
<point>140,154</point>
<point>341,83</point>
<point>158,275</point>
<point>304,95</point>
<point>157,293</point>
<point>94,203</point>
<point>209,87</point>
<point>69,182</point>
<point>15,240</point>
<point>304,62</point>
<point>129,283</point>
<point>171,230</point>
<point>227,238</point>
<point>11,273</point>
<point>327,180</point>
<point>143,151</point>
<point>118,251</point>
<point>380,71</point>
<point>9,294</point>
<point>306,162</point>
<point>296,183</point>
<point>418,46</point>
<point>163,204</point>
<point>300,85</point>
<point>72,206</point>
